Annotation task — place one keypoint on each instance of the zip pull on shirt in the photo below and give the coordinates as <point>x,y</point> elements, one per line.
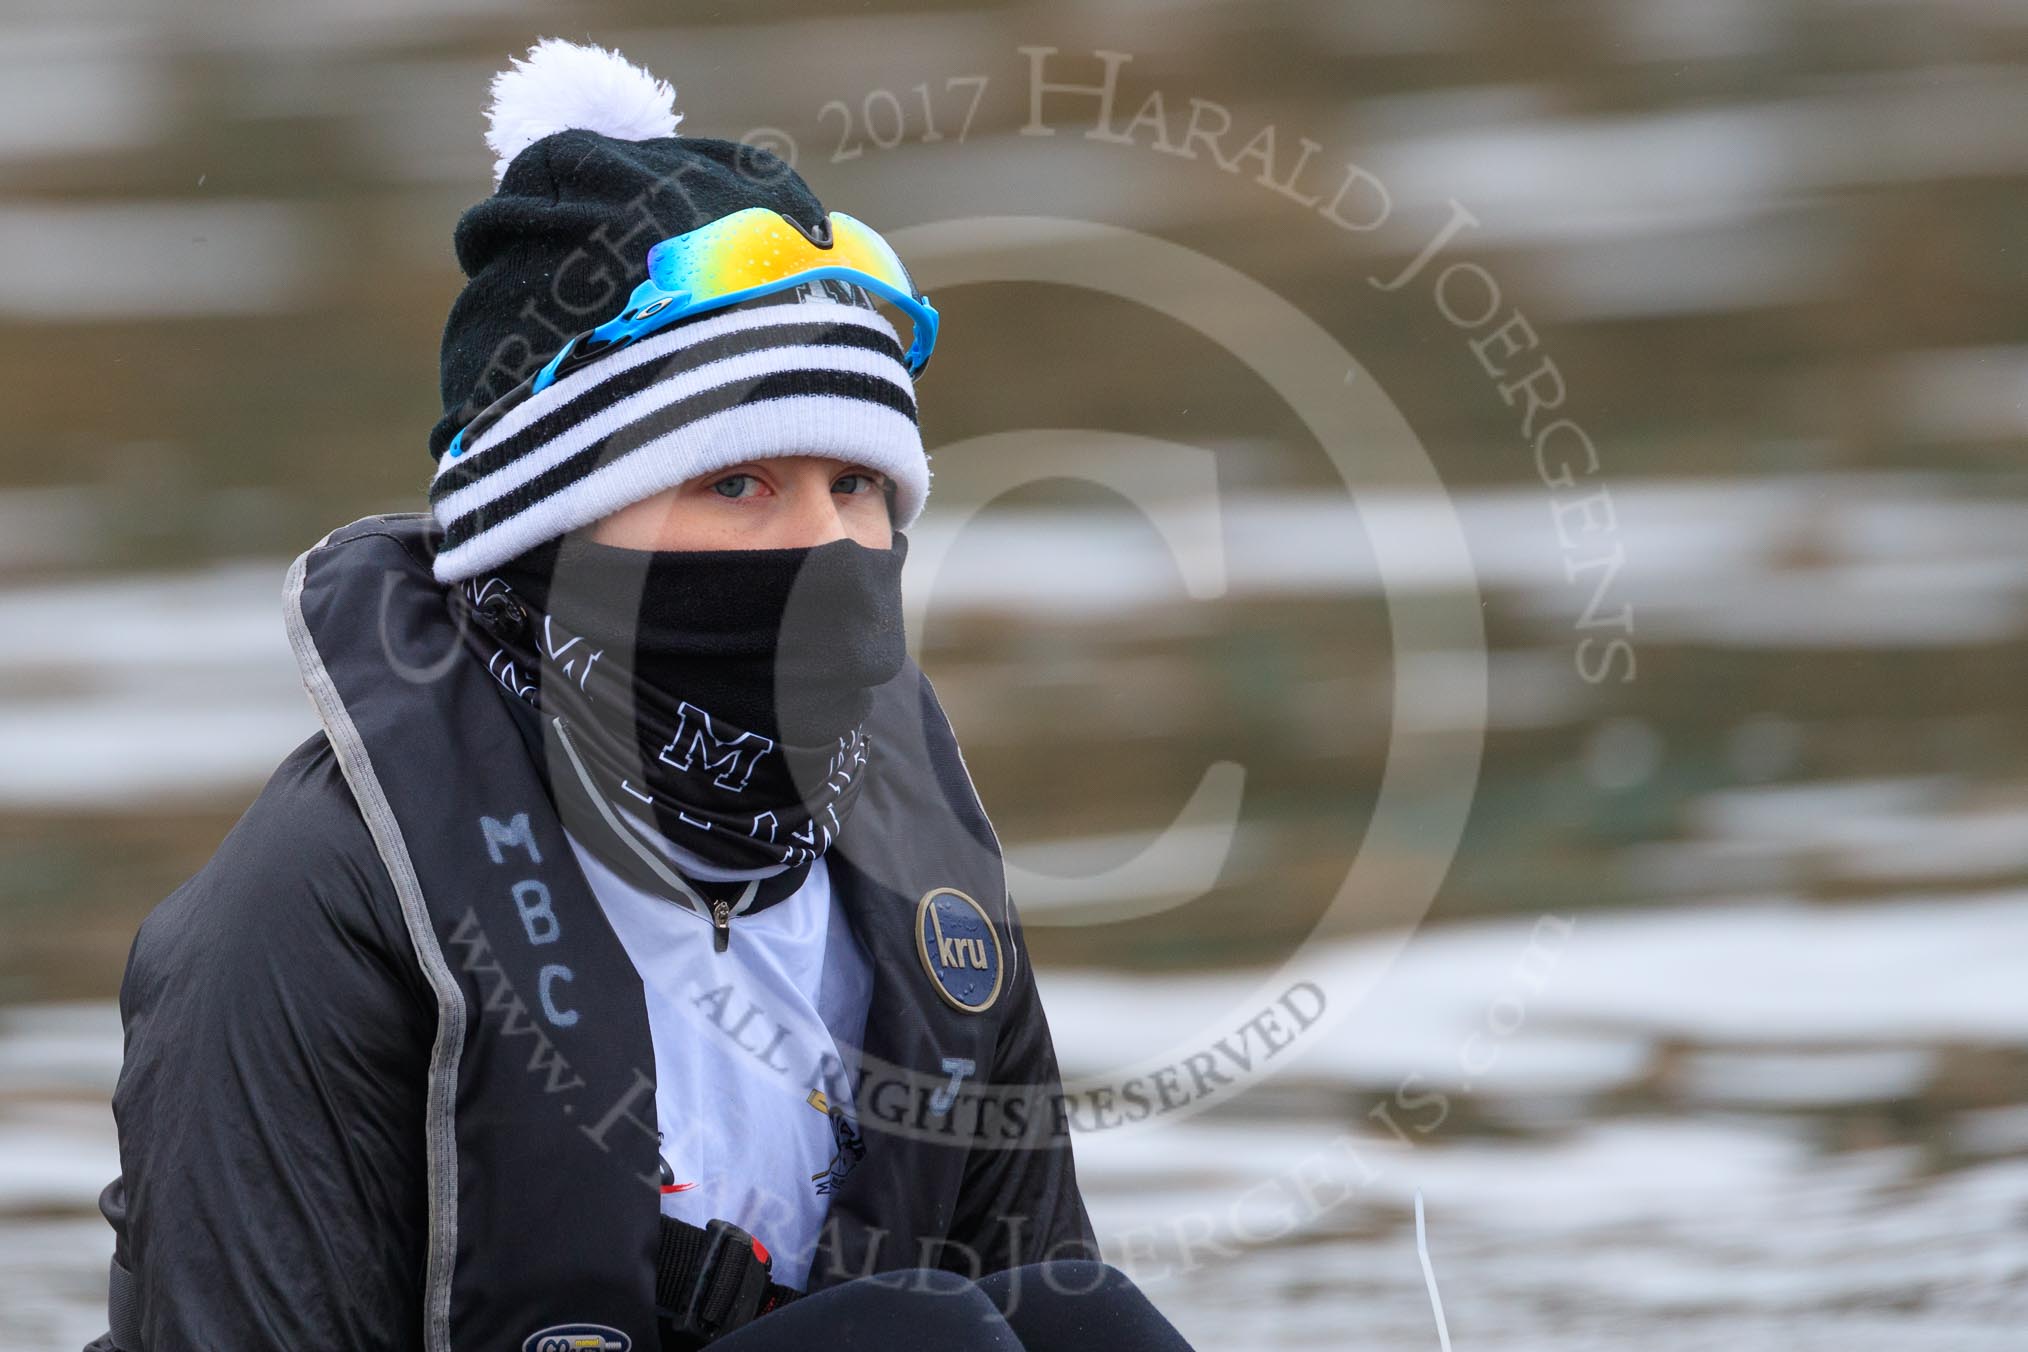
<point>645,858</point>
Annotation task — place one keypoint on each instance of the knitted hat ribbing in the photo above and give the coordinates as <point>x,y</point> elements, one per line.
<point>557,249</point>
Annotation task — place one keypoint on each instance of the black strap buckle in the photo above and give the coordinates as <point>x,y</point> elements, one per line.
<point>723,1289</point>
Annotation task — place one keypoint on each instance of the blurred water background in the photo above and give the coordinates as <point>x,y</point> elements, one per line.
<point>1716,1034</point>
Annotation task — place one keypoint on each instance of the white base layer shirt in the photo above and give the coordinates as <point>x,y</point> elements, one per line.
<point>753,1048</point>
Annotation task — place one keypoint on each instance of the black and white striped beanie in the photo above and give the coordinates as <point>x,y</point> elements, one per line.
<point>591,174</point>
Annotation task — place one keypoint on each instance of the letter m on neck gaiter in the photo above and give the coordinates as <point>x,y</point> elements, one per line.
<point>698,748</point>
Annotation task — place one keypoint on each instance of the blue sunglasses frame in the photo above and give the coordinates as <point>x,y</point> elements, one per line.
<point>654,306</point>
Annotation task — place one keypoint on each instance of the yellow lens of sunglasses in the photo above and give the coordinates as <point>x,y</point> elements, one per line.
<point>755,246</point>
<point>757,250</point>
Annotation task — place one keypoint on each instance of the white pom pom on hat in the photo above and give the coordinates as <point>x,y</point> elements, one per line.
<point>563,85</point>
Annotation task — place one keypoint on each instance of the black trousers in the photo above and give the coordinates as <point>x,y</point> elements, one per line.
<point>1045,1307</point>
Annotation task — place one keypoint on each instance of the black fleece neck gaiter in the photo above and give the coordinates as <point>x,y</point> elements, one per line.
<point>722,694</point>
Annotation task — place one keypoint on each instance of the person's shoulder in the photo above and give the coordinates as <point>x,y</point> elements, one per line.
<point>273,995</point>
<point>297,876</point>
<point>305,826</point>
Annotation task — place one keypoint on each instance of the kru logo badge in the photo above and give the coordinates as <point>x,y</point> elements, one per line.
<point>959,948</point>
<point>577,1338</point>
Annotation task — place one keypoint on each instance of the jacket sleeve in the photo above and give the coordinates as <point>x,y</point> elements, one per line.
<point>1019,1201</point>
<point>269,1105</point>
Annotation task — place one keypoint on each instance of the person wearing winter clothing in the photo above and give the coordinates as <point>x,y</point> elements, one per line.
<point>627,961</point>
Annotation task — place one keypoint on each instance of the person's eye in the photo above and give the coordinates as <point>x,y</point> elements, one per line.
<point>733,485</point>
<point>859,483</point>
